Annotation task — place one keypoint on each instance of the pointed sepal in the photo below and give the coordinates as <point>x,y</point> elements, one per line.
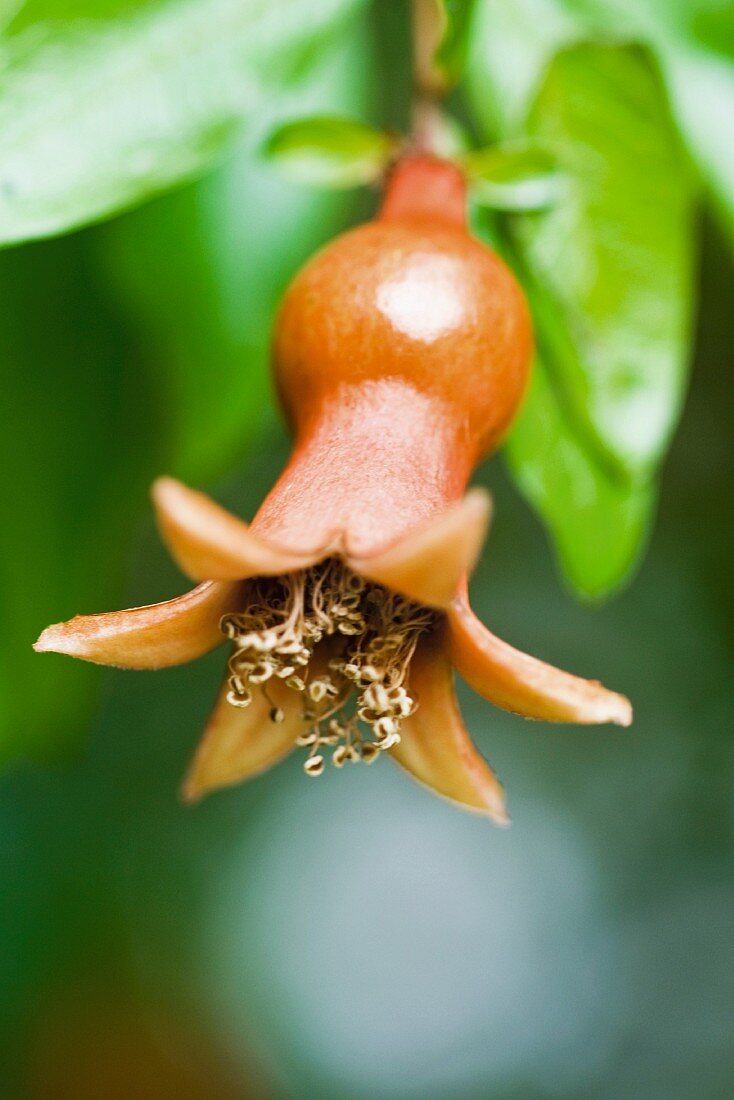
<point>209,543</point>
<point>429,564</point>
<point>434,745</point>
<point>522,684</point>
<point>156,636</point>
<point>241,742</point>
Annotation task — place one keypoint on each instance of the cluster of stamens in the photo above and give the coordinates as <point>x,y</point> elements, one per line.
<point>352,690</point>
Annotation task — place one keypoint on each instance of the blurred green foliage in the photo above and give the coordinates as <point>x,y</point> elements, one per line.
<point>199,273</point>
<point>103,104</point>
<point>453,47</point>
<point>77,443</point>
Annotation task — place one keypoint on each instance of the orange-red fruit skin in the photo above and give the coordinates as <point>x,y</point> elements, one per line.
<point>417,300</point>
<point>401,353</point>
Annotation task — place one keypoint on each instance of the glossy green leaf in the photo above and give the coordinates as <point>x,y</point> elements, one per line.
<point>693,41</point>
<point>515,176</point>
<point>614,255</point>
<point>105,104</point>
<point>330,152</point>
<point>599,526</point>
<point>607,268</point>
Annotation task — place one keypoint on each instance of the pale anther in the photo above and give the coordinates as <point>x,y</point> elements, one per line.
<point>314,765</point>
<point>354,697</point>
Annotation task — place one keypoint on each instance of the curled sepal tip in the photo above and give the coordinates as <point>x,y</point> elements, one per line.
<point>435,747</point>
<point>522,684</point>
<point>429,565</point>
<point>156,636</point>
<point>209,543</point>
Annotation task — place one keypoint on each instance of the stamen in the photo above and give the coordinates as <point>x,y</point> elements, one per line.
<point>355,701</point>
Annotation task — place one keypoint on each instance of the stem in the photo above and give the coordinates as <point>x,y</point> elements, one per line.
<point>424,183</point>
<point>428,82</point>
<point>428,29</point>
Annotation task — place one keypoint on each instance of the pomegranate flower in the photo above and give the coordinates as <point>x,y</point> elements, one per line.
<point>401,353</point>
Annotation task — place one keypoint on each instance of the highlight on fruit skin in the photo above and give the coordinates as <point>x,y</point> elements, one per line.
<point>401,353</point>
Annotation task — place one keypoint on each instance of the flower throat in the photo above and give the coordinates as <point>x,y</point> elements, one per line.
<point>353,689</point>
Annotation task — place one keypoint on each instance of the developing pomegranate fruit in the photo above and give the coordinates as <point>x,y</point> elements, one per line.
<point>401,353</point>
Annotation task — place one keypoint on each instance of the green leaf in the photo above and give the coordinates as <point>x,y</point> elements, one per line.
<point>452,50</point>
<point>599,527</point>
<point>105,104</point>
<point>693,40</point>
<point>614,255</point>
<point>330,152</point>
<point>514,177</point>
<point>607,268</point>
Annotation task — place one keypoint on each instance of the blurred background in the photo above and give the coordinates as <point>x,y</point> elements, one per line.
<point>351,937</point>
